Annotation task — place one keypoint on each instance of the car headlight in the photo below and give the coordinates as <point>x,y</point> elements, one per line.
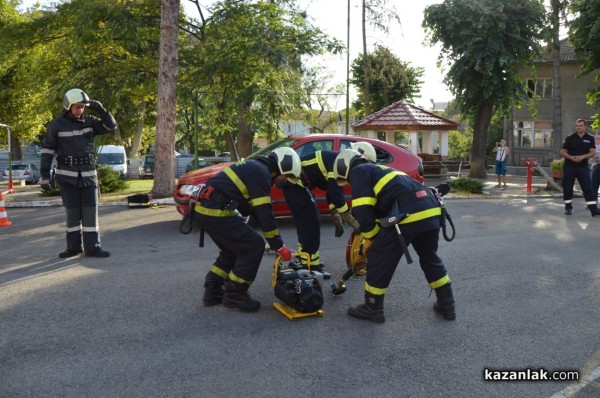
<point>190,190</point>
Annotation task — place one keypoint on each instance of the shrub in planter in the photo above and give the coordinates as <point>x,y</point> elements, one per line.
<point>466,184</point>
<point>557,168</point>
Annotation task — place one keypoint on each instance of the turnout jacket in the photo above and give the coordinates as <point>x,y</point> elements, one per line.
<point>375,190</point>
<point>66,136</point>
<point>317,172</point>
<point>245,186</point>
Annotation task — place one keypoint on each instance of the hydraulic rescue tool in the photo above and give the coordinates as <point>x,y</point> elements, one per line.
<point>298,289</point>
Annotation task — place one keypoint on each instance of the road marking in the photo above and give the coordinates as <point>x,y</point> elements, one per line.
<point>571,390</point>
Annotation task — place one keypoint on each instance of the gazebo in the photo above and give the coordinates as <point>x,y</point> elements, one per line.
<point>404,117</point>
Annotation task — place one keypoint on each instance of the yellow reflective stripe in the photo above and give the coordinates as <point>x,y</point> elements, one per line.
<point>309,162</point>
<point>271,234</point>
<point>321,164</point>
<point>216,270</point>
<point>237,279</point>
<point>383,181</point>
<point>375,290</point>
<point>238,183</point>
<point>421,215</point>
<point>213,212</point>
<point>331,206</point>
<point>371,234</point>
<point>440,282</point>
<point>264,200</point>
<point>364,201</point>
<point>343,209</point>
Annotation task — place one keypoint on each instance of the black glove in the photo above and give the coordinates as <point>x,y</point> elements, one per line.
<point>47,185</point>
<point>337,221</point>
<point>97,106</point>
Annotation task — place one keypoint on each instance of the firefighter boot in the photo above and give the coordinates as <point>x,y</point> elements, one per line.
<point>445,302</point>
<point>236,296</point>
<point>594,210</point>
<point>213,291</point>
<point>372,309</point>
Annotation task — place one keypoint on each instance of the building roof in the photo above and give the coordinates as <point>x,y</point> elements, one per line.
<point>402,116</point>
<point>567,53</point>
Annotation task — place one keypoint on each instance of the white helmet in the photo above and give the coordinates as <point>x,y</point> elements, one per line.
<point>366,149</point>
<point>75,96</point>
<point>287,160</point>
<point>342,163</point>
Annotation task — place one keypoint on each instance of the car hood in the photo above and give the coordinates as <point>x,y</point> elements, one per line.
<point>202,175</point>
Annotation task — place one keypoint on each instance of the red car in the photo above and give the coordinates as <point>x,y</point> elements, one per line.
<point>387,154</point>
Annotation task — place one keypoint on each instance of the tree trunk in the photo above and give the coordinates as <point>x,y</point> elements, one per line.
<point>139,130</point>
<point>367,74</point>
<point>556,81</point>
<point>245,136</point>
<point>164,170</point>
<point>482,122</point>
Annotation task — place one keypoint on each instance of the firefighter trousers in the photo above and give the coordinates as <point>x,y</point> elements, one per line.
<point>81,206</point>
<point>306,217</point>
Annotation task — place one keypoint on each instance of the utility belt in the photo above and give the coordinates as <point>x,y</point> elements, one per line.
<point>213,197</point>
<point>75,160</point>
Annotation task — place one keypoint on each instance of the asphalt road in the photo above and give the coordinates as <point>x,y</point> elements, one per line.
<point>526,280</point>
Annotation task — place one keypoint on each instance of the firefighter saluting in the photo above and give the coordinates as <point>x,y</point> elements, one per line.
<point>244,186</point>
<point>378,191</point>
<point>70,137</point>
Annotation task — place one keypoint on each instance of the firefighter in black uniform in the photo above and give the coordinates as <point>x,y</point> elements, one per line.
<point>577,149</point>
<point>70,137</point>
<point>244,186</point>
<point>317,172</point>
<point>378,191</point>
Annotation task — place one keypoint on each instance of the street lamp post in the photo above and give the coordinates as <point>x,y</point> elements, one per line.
<point>10,181</point>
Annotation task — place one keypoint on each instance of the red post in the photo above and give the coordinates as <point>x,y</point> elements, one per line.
<point>529,162</point>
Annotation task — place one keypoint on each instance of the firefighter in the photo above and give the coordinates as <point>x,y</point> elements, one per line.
<point>244,186</point>
<point>70,137</point>
<point>317,172</point>
<point>377,192</point>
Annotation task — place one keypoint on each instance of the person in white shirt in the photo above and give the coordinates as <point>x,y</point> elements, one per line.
<point>501,151</point>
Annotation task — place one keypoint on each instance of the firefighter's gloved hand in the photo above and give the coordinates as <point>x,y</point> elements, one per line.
<point>97,106</point>
<point>350,220</point>
<point>365,244</point>
<point>285,253</point>
<point>46,185</point>
<point>337,221</point>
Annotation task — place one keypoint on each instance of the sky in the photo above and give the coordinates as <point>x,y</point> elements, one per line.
<point>405,41</point>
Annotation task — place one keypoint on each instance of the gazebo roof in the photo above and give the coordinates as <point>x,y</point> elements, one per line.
<point>402,116</point>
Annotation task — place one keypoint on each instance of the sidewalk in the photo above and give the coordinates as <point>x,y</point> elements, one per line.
<point>30,196</point>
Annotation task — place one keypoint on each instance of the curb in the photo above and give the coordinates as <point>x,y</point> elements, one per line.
<point>58,203</point>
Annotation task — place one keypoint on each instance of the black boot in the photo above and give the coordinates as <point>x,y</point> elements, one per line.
<point>236,296</point>
<point>445,302</point>
<point>372,309</point>
<point>98,252</point>
<point>213,291</point>
<point>70,253</point>
<point>594,210</point>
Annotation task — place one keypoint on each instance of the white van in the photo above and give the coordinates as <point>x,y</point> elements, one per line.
<point>113,156</point>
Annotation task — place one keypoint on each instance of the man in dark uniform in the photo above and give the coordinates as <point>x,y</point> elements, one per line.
<point>317,172</point>
<point>70,137</point>
<point>244,186</point>
<point>577,149</point>
<point>377,192</point>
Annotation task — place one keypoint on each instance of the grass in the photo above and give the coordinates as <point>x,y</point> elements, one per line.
<point>133,187</point>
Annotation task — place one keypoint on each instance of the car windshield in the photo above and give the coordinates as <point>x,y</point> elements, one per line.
<point>264,152</point>
<point>19,167</point>
<point>111,158</point>
<point>149,160</point>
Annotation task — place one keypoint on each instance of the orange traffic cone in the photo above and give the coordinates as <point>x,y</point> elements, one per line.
<point>3,217</point>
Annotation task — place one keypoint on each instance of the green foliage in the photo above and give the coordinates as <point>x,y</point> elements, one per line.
<point>584,34</point>
<point>466,184</point>
<point>557,164</point>
<point>109,180</point>
<point>391,79</point>
<point>460,144</point>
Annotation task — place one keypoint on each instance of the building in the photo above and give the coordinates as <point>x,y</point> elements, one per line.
<point>531,136</point>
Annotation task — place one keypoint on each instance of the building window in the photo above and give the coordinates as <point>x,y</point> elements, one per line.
<point>536,134</point>
<point>541,88</point>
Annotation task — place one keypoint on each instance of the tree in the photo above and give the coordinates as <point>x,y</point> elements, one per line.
<point>164,171</point>
<point>557,8</point>
<point>484,42</point>
<point>584,34</point>
<point>391,79</point>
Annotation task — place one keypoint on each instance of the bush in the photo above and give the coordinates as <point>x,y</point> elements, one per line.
<point>557,164</point>
<point>109,180</point>
<point>466,184</point>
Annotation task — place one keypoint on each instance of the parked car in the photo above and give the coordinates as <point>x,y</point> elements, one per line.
<point>27,172</point>
<point>201,163</point>
<point>147,167</point>
<point>387,154</point>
